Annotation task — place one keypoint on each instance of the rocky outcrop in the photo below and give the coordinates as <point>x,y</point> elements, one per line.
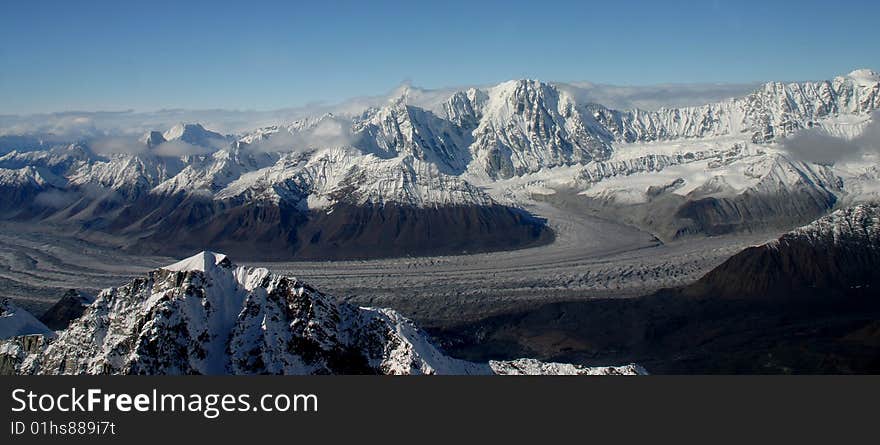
<point>70,307</point>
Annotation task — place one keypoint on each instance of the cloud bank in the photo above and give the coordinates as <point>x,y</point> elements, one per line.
<point>327,132</point>
<point>817,146</point>
<point>108,145</point>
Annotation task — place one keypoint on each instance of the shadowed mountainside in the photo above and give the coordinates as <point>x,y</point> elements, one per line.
<point>806,303</point>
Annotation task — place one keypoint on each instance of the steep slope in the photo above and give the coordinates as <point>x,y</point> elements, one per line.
<point>26,185</point>
<point>70,307</point>
<point>401,130</point>
<point>837,252</point>
<point>203,315</point>
<point>15,321</point>
<point>526,125</point>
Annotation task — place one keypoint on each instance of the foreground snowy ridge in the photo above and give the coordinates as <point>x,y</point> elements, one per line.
<point>204,315</point>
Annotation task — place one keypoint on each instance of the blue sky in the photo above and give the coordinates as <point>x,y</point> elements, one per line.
<point>147,55</point>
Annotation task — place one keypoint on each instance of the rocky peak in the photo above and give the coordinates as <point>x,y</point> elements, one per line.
<point>153,139</point>
<point>195,134</point>
<point>204,315</point>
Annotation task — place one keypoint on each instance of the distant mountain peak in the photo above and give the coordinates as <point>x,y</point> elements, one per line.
<point>195,134</point>
<point>181,128</point>
<point>153,139</point>
<point>865,74</point>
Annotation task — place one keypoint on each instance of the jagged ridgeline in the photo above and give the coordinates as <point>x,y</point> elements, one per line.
<point>449,177</point>
<point>204,315</point>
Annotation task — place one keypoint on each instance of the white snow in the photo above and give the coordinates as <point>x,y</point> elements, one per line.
<point>15,321</point>
<point>203,261</point>
<point>432,149</point>
<point>243,320</point>
<point>535,367</point>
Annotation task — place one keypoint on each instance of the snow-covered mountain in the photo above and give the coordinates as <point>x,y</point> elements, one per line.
<point>194,134</point>
<point>774,110</point>
<point>204,315</point>
<point>475,159</point>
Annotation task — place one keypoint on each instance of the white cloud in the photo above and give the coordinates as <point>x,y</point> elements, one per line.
<point>116,144</point>
<point>56,199</point>
<point>817,146</point>
<point>328,132</point>
<point>654,97</point>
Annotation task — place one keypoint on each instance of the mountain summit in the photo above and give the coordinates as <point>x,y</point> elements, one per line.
<point>204,315</point>
<point>195,134</point>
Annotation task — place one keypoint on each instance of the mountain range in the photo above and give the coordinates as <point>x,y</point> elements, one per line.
<point>457,176</point>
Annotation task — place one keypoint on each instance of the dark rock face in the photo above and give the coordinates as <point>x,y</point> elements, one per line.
<point>824,333</point>
<point>70,307</point>
<point>789,270</point>
<point>177,224</point>
<point>345,231</point>
<point>391,230</point>
<point>717,216</point>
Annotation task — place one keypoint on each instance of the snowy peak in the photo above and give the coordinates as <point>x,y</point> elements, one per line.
<point>518,97</point>
<point>864,75</point>
<point>528,125</point>
<point>465,108</point>
<point>203,261</point>
<point>195,134</point>
<point>401,130</point>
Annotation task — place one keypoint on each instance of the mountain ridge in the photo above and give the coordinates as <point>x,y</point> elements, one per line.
<point>204,315</point>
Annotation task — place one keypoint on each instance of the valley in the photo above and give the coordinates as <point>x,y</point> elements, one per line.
<point>590,258</point>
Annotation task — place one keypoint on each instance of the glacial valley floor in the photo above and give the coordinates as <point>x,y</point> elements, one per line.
<point>591,258</point>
